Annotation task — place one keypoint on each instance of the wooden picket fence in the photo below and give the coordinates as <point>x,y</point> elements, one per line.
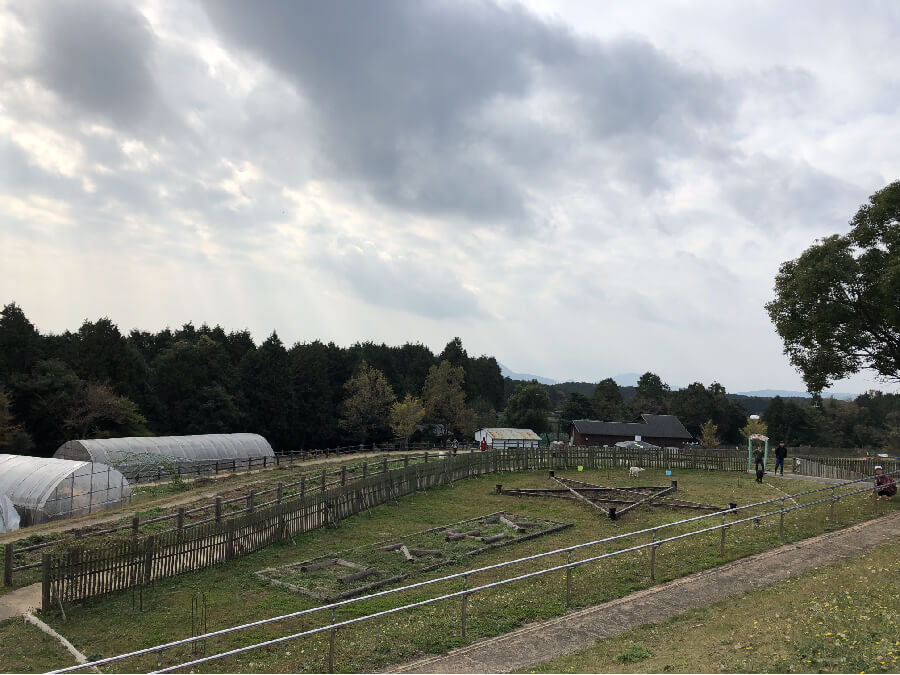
<point>843,468</point>
<point>80,572</point>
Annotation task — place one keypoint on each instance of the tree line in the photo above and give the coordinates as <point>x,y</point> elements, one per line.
<point>714,417</point>
<point>97,382</point>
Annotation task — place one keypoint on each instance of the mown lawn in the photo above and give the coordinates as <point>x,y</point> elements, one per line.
<point>26,649</point>
<point>841,618</point>
<point>114,624</point>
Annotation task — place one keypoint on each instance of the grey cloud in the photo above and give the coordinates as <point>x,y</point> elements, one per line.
<point>404,284</point>
<point>774,193</point>
<point>96,55</point>
<point>399,92</point>
<point>629,86</point>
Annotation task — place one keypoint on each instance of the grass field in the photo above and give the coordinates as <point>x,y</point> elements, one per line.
<point>114,624</point>
<point>842,618</point>
<point>26,649</point>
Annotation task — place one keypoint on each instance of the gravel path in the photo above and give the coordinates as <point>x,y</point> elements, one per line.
<point>579,629</point>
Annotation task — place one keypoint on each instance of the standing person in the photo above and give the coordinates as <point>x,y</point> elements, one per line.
<point>483,446</point>
<point>884,484</point>
<point>455,446</point>
<point>759,464</point>
<point>780,455</point>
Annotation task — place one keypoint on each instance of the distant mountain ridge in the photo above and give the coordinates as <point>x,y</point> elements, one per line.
<point>628,381</point>
<point>787,393</point>
<point>528,377</point>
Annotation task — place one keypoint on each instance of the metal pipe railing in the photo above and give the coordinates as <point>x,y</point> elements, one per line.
<point>469,591</point>
<point>464,575</point>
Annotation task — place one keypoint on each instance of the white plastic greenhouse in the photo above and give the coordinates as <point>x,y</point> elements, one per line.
<point>9,517</point>
<point>140,457</point>
<point>44,488</point>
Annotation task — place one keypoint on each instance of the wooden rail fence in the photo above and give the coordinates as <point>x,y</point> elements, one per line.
<point>81,572</point>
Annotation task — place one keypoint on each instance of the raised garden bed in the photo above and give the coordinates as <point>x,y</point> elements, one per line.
<point>353,572</point>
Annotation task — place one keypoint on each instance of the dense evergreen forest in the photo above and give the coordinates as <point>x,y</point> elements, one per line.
<point>98,382</point>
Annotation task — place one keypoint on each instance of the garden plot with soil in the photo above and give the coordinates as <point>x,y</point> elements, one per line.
<point>347,573</point>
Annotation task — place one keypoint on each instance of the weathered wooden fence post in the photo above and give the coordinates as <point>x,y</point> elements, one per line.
<point>302,485</point>
<point>331,637</point>
<point>179,520</point>
<point>278,492</point>
<point>405,461</point>
<point>465,600</point>
<point>135,525</point>
<point>725,526</point>
<point>653,548</point>
<point>781,523</point>
<point>343,475</point>
<point>229,543</point>
<point>45,582</point>
<point>323,480</point>
<point>218,509</point>
<point>722,539</point>
<point>365,469</point>
<point>384,468</point>
<point>250,497</point>
<point>569,582</point>
<point>148,558</point>
<point>8,552</point>
<point>831,519</point>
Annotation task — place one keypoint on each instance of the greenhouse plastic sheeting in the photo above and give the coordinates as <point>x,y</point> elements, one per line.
<point>44,488</point>
<point>9,517</point>
<point>124,451</point>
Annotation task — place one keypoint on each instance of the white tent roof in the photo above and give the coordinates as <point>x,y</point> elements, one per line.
<point>117,451</point>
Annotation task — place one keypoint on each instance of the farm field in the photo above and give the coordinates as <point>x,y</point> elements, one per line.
<point>844,617</point>
<point>152,501</point>
<point>110,625</point>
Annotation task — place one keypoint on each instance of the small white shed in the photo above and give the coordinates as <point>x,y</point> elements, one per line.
<point>501,438</point>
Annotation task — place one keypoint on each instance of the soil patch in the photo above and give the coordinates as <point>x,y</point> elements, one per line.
<point>335,576</point>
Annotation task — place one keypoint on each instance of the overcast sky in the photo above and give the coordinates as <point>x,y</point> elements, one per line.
<point>579,190</point>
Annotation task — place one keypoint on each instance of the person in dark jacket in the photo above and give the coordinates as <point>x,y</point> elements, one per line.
<point>884,484</point>
<point>759,464</point>
<point>780,455</point>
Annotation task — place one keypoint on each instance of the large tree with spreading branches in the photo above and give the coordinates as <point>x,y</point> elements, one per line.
<point>837,306</point>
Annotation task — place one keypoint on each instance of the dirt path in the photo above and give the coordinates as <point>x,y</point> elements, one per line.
<point>573,631</point>
<point>20,601</point>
